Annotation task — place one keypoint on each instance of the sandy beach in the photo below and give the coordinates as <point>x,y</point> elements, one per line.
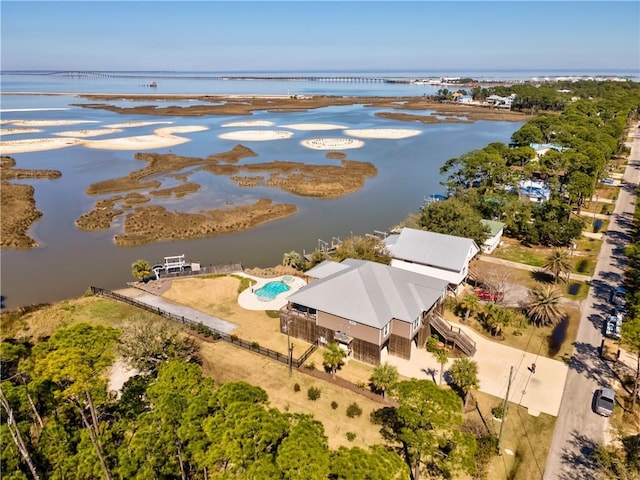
<point>256,135</point>
<point>332,143</point>
<point>253,123</point>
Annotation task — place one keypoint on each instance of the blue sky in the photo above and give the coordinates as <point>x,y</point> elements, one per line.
<point>327,35</point>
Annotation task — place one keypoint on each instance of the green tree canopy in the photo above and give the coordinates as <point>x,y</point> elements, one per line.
<point>454,217</point>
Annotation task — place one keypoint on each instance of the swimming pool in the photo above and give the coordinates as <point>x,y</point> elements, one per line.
<point>271,290</point>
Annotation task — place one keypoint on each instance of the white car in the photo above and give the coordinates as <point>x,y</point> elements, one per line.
<point>605,401</point>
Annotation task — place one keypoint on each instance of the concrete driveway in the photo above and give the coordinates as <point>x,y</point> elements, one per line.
<point>538,392</point>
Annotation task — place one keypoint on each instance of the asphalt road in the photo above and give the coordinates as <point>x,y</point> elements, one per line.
<point>578,429</point>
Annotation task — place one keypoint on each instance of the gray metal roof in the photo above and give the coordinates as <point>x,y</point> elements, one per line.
<point>372,293</point>
<point>325,268</point>
<point>438,250</point>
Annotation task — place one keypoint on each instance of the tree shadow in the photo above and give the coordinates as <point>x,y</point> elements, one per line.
<point>432,372</point>
<point>542,276</point>
<point>578,459</point>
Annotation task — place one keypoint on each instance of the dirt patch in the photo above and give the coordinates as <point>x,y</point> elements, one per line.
<point>17,204</point>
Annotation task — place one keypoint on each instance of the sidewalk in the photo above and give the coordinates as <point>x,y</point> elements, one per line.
<point>539,392</point>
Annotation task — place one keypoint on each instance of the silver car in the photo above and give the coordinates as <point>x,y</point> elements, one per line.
<point>605,401</point>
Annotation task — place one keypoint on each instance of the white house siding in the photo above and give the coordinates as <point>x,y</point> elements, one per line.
<point>452,277</point>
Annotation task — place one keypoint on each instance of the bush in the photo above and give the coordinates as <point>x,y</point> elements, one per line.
<point>334,405</point>
<point>313,393</point>
<point>351,436</point>
<point>296,387</point>
<point>497,411</point>
<point>354,410</point>
<point>311,365</point>
<point>255,345</point>
<point>234,337</point>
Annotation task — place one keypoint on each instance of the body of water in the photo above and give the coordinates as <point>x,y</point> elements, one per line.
<point>69,260</point>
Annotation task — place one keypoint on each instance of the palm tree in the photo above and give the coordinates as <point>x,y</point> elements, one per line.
<point>464,373</point>
<point>544,305</point>
<point>557,263</point>
<point>440,354</point>
<point>496,318</point>
<point>384,377</point>
<point>469,305</point>
<point>333,357</point>
<point>140,269</point>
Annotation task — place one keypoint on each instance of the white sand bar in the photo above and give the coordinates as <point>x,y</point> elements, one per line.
<point>136,124</point>
<point>253,123</point>
<point>88,133</point>
<point>49,123</point>
<point>179,129</point>
<point>36,145</point>
<point>16,131</point>
<point>314,126</point>
<point>142,142</point>
<point>332,143</point>
<point>391,133</point>
<point>256,135</point>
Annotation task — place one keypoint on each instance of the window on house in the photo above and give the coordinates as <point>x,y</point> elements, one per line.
<point>415,325</point>
<point>385,330</point>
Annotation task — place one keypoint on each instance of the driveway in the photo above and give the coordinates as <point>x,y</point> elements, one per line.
<point>538,392</point>
<point>578,429</point>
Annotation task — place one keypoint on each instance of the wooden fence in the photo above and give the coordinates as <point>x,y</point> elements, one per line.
<point>208,331</point>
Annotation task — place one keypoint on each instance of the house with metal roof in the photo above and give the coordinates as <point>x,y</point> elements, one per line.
<point>434,254</point>
<point>369,308</point>
<point>496,229</point>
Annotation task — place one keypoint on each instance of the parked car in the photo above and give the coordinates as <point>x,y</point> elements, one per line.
<point>618,296</point>
<point>607,181</point>
<point>613,326</point>
<point>605,401</point>
<point>485,295</point>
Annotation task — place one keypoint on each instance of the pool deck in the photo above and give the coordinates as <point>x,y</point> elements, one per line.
<point>249,300</point>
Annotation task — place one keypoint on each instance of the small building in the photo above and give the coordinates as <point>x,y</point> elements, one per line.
<point>371,310</point>
<point>434,254</point>
<point>496,230</point>
<point>542,148</point>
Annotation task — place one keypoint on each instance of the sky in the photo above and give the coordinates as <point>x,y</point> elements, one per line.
<point>219,36</point>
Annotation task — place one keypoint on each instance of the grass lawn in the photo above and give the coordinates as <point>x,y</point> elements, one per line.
<point>514,251</point>
<point>218,296</point>
<point>525,442</point>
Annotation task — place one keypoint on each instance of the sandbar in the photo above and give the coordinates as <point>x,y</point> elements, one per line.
<point>49,123</point>
<point>16,131</point>
<point>256,135</point>
<point>135,124</point>
<point>314,126</point>
<point>88,133</point>
<point>332,143</point>
<point>390,133</point>
<point>36,145</point>
<point>253,123</point>
<point>161,138</point>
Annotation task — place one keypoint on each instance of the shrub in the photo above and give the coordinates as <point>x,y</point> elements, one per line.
<point>497,411</point>
<point>313,393</point>
<point>334,405</point>
<point>361,384</point>
<point>234,337</point>
<point>351,436</point>
<point>255,345</point>
<point>311,365</point>
<point>354,410</point>
<point>296,387</point>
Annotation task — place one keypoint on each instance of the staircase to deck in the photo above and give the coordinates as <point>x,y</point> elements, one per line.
<point>453,335</point>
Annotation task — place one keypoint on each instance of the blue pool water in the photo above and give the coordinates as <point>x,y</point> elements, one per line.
<point>271,290</point>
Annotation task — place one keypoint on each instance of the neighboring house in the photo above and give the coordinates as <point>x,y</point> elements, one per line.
<point>433,254</point>
<point>500,102</point>
<point>496,230</point>
<point>536,191</point>
<point>542,148</point>
<point>369,308</point>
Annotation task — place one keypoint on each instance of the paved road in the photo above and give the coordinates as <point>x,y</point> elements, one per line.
<point>578,430</point>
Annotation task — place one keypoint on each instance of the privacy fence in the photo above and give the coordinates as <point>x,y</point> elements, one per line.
<point>208,331</point>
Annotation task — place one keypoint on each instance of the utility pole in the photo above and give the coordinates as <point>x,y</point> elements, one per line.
<point>504,409</point>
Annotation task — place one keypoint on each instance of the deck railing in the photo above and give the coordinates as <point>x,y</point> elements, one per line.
<point>453,334</point>
<point>198,326</point>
